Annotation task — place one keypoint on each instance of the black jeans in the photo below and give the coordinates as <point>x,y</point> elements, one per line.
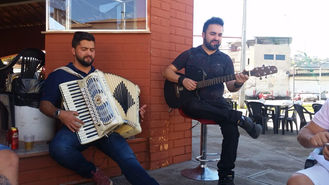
<point>221,113</point>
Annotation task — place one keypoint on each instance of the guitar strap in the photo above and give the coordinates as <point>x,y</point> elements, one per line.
<point>203,73</point>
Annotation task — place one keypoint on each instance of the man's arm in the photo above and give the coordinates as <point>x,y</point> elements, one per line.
<point>9,163</point>
<point>312,136</point>
<point>47,108</point>
<point>69,118</point>
<point>170,74</point>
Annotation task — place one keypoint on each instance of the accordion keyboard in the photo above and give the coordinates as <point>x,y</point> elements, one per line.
<point>105,102</point>
<point>75,102</point>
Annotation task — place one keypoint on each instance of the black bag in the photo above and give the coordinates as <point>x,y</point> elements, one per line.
<point>310,161</point>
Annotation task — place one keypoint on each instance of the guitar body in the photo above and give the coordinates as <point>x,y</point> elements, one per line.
<point>172,94</point>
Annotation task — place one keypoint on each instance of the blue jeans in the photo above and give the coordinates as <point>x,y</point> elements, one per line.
<point>4,147</point>
<point>66,149</point>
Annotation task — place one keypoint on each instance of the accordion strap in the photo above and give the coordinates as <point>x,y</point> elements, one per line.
<point>69,70</point>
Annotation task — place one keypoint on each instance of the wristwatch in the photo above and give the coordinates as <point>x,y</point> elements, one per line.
<point>57,112</point>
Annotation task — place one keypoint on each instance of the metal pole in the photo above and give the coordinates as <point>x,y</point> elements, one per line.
<point>203,144</point>
<point>320,83</point>
<point>293,83</point>
<point>123,15</point>
<point>243,52</point>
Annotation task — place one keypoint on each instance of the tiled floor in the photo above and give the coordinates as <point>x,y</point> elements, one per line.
<point>268,160</point>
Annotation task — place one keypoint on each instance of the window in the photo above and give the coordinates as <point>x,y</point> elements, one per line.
<point>104,15</point>
<point>280,57</point>
<point>268,57</point>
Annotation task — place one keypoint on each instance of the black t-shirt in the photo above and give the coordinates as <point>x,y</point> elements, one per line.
<point>201,66</point>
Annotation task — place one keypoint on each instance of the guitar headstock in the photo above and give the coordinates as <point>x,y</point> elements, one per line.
<point>263,71</point>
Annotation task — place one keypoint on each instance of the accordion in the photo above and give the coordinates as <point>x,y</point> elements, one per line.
<point>105,102</point>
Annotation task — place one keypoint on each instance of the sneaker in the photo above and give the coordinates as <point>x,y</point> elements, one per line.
<point>250,127</point>
<point>226,179</point>
<point>100,178</point>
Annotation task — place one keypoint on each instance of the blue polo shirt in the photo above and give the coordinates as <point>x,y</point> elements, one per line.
<point>50,89</point>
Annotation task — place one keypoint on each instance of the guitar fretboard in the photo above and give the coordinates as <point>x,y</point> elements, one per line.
<point>214,81</point>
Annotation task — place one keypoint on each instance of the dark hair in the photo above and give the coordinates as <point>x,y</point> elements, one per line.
<point>79,36</point>
<point>213,20</point>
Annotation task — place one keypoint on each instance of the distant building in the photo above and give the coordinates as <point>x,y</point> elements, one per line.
<point>306,81</point>
<point>268,51</point>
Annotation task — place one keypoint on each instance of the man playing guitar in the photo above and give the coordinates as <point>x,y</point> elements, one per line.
<point>206,62</point>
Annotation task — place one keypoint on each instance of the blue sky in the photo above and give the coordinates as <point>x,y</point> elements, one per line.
<point>303,20</point>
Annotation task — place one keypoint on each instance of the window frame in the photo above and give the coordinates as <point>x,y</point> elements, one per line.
<point>146,30</point>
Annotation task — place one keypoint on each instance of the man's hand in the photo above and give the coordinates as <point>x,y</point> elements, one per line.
<point>241,78</point>
<point>142,111</point>
<point>69,119</point>
<point>235,85</point>
<point>189,84</point>
<point>319,139</point>
<point>326,151</point>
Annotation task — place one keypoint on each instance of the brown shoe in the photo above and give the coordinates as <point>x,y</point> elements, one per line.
<point>100,178</point>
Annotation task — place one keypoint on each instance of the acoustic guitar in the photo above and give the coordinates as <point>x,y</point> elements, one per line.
<point>173,91</point>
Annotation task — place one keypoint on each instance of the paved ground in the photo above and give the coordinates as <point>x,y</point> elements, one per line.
<point>269,160</point>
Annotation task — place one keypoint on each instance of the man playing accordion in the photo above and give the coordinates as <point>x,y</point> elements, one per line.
<point>65,147</point>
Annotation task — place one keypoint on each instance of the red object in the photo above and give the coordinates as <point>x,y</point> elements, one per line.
<point>13,138</point>
<point>202,121</point>
<point>265,95</point>
<point>297,97</point>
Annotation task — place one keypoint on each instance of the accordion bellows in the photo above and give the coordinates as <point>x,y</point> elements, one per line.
<point>105,102</point>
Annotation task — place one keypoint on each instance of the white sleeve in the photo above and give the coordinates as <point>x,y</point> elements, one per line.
<point>321,118</point>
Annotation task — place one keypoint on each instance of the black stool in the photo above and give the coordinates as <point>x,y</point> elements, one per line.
<point>202,172</point>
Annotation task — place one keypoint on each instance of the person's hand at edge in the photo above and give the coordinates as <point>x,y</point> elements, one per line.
<point>142,111</point>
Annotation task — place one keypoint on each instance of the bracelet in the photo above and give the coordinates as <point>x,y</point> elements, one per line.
<point>237,86</point>
<point>180,80</point>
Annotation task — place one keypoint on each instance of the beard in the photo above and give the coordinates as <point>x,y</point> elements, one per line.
<point>209,46</point>
<point>83,62</point>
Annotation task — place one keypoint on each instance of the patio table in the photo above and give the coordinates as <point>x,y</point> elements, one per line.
<point>278,105</point>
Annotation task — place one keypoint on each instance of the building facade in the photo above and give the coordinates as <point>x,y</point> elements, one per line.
<point>267,51</point>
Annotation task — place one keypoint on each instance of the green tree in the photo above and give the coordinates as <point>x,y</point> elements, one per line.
<point>301,59</point>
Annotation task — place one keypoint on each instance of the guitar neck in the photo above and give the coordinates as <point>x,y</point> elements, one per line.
<point>221,79</point>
